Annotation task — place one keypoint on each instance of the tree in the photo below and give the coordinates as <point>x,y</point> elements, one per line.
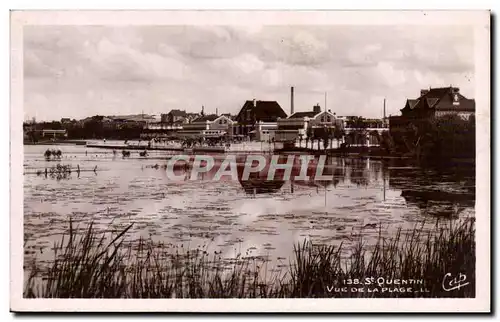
<point>338,134</point>
<point>309,137</point>
<point>440,139</point>
<point>386,142</point>
<point>358,129</point>
<point>326,135</point>
<point>93,128</point>
<point>356,122</point>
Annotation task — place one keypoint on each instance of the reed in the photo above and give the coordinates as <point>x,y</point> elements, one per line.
<point>92,265</point>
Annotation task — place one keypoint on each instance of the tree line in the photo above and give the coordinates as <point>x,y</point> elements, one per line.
<point>94,128</point>
<point>435,139</point>
<point>438,139</point>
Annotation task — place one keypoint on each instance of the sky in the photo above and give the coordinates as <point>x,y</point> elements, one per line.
<point>81,71</point>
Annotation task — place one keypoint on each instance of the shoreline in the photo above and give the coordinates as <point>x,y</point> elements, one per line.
<point>376,155</point>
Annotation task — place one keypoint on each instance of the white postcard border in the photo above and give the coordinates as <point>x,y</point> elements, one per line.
<point>480,19</point>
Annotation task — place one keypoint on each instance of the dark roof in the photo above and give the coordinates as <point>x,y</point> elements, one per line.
<point>266,111</point>
<point>437,92</point>
<point>442,98</point>
<point>131,117</point>
<point>299,115</point>
<point>205,118</point>
<point>177,113</point>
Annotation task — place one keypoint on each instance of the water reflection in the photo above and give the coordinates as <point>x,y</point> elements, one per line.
<point>438,203</point>
<point>437,192</point>
<point>264,181</point>
<point>360,196</point>
<point>420,188</point>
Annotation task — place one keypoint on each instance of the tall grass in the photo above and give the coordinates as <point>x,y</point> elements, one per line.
<point>88,265</point>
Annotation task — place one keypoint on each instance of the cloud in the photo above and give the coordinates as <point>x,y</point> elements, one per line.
<point>35,66</point>
<point>111,61</point>
<point>85,70</point>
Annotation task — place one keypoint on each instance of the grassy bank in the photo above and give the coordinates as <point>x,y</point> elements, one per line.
<point>91,265</point>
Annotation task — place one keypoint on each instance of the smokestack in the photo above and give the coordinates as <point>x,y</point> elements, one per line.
<point>291,100</point>
<point>384,121</point>
<point>254,103</point>
<point>216,111</point>
<point>325,101</point>
<point>384,109</point>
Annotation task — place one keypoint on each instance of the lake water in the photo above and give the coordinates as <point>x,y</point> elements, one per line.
<point>365,195</point>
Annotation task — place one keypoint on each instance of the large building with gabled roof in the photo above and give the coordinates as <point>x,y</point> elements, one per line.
<point>437,102</point>
<point>257,119</point>
<point>432,103</point>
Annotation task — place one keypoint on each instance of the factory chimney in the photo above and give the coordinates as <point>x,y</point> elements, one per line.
<point>291,100</point>
<point>384,109</point>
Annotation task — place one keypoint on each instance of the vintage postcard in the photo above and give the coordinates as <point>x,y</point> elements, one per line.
<point>250,161</point>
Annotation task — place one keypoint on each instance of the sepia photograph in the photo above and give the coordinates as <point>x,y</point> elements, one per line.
<point>323,159</point>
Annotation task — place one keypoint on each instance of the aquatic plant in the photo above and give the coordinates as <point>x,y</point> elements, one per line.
<point>91,265</point>
<point>56,153</point>
<point>59,171</point>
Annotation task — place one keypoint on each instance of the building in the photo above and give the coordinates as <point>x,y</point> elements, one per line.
<point>300,125</point>
<point>229,116</point>
<point>437,102</point>
<point>164,118</point>
<point>360,131</point>
<point>208,126</point>
<point>434,102</point>
<point>163,127</point>
<point>120,121</point>
<point>54,133</point>
<point>258,119</point>
<point>191,117</point>
<point>174,116</point>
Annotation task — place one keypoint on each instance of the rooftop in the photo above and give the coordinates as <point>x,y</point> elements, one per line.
<point>177,113</point>
<point>210,118</point>
<point>441,98</point>
<point>299,115</point>
<point>266,111</point>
